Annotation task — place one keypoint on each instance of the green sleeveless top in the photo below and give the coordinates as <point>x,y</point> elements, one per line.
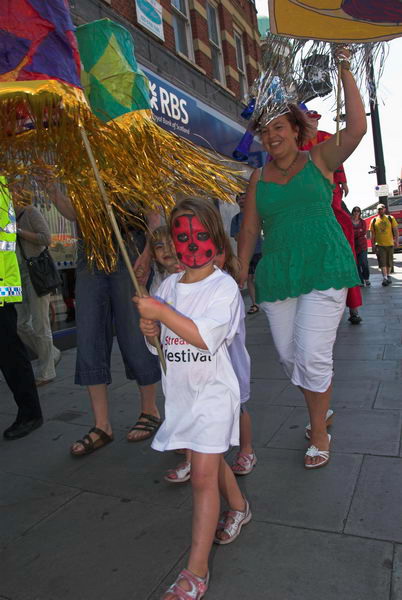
<point>304,245</point>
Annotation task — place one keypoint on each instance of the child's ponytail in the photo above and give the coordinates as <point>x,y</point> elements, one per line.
<point>231,263</point>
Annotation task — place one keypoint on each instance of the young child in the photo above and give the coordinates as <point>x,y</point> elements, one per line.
<point>245,459</point>
<point>196,319</point>
<point>164,255</point>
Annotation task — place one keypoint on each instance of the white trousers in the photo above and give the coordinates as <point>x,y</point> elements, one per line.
<point>34,328</point>
<point>304,332</point>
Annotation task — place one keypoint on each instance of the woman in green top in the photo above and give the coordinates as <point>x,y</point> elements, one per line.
<point>307,263</point>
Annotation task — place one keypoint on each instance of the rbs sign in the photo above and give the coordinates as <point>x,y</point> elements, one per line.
<point>168,104</point>
<point>192,119</point>
<point>173,109</point>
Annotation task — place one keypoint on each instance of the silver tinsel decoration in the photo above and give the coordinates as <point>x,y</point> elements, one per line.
<point>296,71</point>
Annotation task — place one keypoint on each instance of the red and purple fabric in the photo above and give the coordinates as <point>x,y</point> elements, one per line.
<point>376,11</point>
<point>37,42</point>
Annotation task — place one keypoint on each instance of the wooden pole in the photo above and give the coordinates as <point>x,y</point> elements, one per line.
<point>117,232</point>
<point>338,106</point>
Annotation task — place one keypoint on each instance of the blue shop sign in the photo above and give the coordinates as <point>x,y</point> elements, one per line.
<point>194,120</point>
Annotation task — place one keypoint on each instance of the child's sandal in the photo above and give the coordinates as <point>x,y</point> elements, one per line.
<point>244,463</point>
<point>198,586</point>
<point>180,474</point>
<point>230,523</point>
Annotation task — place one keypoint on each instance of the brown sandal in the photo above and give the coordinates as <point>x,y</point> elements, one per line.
<point>90,445</point>
<point>148,423</point>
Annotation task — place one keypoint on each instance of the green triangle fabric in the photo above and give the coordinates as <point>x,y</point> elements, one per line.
<point>92,40</point>
<point>112,81</point>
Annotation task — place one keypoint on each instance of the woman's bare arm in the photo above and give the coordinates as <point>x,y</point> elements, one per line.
<point>62,203</point>
<point>327,155</point>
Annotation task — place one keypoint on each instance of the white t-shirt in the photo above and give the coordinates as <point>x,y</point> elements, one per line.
<point>240,358</point>
<point>202,396</point>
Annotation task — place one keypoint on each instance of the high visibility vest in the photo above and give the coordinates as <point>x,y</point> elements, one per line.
<point>10,281</point>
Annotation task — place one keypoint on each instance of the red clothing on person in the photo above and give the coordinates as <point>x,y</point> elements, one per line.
<point>354,298</point>
<point>360,231</point>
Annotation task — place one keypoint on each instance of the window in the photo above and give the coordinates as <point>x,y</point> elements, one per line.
<point>215,41</point>
<point>182,29</point>
<point>241,65</point>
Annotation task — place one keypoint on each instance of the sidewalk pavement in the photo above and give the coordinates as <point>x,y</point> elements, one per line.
<point>108,527</point>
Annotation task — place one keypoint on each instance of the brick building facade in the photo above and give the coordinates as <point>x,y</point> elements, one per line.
<point>211,48</point>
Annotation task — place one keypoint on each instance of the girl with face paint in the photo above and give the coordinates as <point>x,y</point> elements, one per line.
<point>196,316</point>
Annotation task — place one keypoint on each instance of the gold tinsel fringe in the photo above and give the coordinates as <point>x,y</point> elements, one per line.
<point>142,165</point>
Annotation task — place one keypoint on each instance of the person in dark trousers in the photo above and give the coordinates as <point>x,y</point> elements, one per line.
<point>360,232</point>
<point>14,362</point>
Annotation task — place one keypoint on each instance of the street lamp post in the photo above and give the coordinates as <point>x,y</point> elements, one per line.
<point>377,139</point>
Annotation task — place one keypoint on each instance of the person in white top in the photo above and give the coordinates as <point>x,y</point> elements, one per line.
<point>245,458</point>
<point>196,317</point>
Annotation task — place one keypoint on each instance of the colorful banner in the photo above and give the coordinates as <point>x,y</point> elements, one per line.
<point>337,20</point>
<point>37,42</point>
<point>113,83</point>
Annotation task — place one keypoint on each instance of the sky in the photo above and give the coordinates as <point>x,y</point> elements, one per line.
<point>389,93</point>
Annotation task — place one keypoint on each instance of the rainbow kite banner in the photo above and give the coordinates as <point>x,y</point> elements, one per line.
<point>37,42</point>
<point>113,83</point>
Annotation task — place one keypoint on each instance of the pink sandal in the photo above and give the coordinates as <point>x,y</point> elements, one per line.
<point>244,463</point>
<point>180,474</point>
<point>230,523</point>
<point>198,586</point>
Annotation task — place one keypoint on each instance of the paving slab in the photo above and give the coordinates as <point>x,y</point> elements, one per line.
<point>362,335</point>
<point>258,338</point>
<point>283,491</point>
<point>389,395</point>
<point>124,406</point>
<point>271,562</point>
<point>263,368</point>
<point>112,551</point>
<point>393,352</point>
<point>359,351</point>
<point>354,430</point>
<point>376,506</point>
<point>133,471</point>
<point>396,593</point>
<point>262,351</point>
<point>378,370</point>
<point>346,394</point>
<point>45,453</point>
<point>25,501</point>
<point>267,422</point>
<point>266,392</point>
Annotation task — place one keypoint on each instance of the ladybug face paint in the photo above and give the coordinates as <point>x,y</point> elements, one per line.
<point>192,241</point>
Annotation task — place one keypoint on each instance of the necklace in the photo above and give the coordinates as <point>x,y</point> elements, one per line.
<point>286,171</point>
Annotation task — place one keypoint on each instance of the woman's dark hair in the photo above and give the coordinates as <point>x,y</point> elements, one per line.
<point>356,208</point>
<point>298,118</point>
<point>208,215</point>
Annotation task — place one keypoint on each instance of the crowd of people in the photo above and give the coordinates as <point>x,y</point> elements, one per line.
<point>302,269</point>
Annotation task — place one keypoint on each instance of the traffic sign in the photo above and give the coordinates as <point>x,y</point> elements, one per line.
<point>381,190</point>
